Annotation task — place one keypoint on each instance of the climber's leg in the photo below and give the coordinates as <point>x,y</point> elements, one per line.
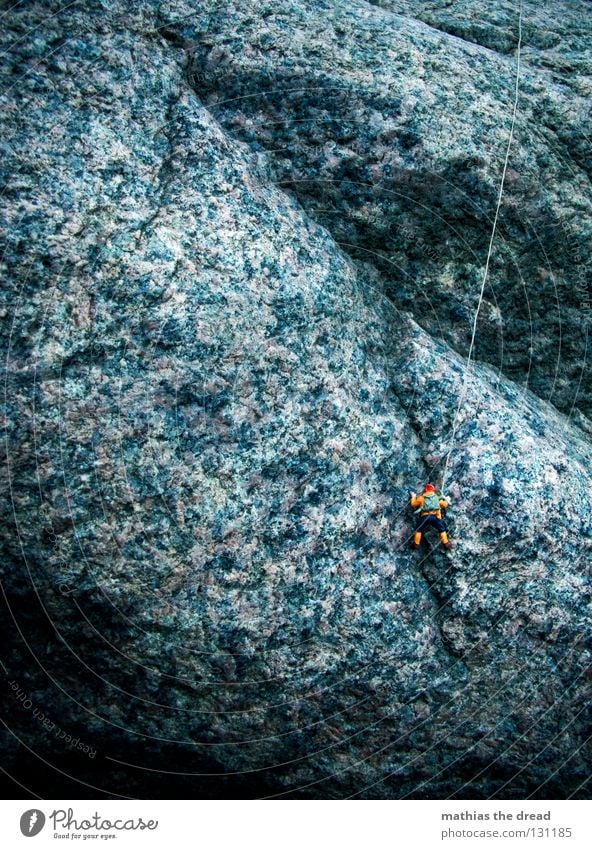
<point>444,540</point>
<point>439,525</point>
<point>419,527</point>
<point>443,535</point>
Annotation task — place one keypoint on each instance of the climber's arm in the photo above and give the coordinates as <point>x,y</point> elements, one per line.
<point>444,504</point>
<point>416,500</point>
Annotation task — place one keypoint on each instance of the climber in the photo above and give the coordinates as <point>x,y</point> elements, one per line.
<point>429,506</point>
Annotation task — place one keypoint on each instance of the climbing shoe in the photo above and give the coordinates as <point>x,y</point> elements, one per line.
<point>447,545</point>
<point>414,545</point>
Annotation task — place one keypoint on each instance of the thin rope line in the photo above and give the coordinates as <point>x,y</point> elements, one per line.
<point>489,253</point>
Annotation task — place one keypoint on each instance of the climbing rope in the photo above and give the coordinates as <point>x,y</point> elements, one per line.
<point>463,392</point>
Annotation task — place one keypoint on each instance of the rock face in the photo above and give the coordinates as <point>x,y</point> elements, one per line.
<point>393,135</point>
<point>224,229</point>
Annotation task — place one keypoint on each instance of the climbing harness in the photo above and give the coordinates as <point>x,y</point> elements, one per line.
<point>464,386</point>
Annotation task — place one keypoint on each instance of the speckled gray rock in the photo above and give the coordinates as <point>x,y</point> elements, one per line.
<point>213,419</point>
<point>393,135</point>
<point>555,35</point>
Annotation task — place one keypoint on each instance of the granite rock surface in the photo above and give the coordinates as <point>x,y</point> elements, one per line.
<point>219,394</point>
<point>391,130</point>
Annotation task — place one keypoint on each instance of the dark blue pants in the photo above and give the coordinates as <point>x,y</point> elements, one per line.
<point>429,521</point>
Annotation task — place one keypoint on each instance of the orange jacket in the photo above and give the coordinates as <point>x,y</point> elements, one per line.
<point>417,501</point>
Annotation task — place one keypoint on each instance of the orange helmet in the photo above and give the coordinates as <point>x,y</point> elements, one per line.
<point>429,487</point>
